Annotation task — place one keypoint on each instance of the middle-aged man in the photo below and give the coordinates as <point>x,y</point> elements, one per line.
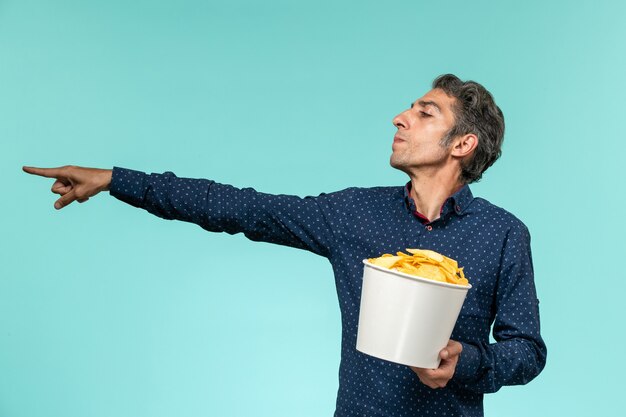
<point>444,141</point>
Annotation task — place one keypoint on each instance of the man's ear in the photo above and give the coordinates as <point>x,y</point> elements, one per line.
<point>464,145</point>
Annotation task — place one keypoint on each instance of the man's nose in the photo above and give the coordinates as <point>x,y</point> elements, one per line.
<point>400,121</point>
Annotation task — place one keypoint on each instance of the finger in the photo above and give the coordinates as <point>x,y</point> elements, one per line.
<point>442,374</point>
<point>423,378</point>
<point>454,348</point>
<point>82,200</point>
<point>430,383</point>
<point>65,200</point>
<point>445,369</point>
<point>44,172</point>
<point>427,374</point>
<point>438,379</point>
<point>420,371</point>
<point>60,187</point>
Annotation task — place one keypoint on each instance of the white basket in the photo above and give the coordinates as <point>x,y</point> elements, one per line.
<point>406,319</point>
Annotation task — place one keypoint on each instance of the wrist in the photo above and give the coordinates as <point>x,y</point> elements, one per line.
<point>107,175</point>
<point>468,364</point>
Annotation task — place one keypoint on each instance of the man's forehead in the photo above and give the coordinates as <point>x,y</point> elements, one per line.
<point>436,98</point>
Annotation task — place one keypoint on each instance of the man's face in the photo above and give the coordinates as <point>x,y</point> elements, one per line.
<point>420,130</point>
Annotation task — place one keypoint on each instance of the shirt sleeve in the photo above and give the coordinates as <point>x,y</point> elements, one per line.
<point>303,223</point>
<point>519,353</point>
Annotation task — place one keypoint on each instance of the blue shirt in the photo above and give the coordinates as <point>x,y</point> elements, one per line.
<point>350,225</point>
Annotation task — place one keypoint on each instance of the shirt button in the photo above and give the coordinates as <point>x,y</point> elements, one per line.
<point>429,228</point>
<point>457,208</point>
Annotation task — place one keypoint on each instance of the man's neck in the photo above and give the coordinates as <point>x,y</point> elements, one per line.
<point>430,192</point>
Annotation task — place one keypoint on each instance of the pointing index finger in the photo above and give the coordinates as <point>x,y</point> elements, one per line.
<point>44,172</point>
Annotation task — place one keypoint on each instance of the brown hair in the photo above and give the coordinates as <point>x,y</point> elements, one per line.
<point>475,112</point>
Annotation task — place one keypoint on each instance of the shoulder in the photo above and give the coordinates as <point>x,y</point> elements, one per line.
<point>363,198</point>
<point>365,192</point>
<point>379,190</point>
<point>497,215</point>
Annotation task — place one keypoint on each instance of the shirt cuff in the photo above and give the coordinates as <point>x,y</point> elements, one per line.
<point>468,364</point>
<point>129,186</point>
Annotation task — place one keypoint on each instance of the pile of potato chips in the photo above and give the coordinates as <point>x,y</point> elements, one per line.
<point>424,263</point>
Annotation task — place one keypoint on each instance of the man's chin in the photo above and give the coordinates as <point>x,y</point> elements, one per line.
<point>397,164</point>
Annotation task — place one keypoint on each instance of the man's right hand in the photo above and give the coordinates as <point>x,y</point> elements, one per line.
<point>74,183</point>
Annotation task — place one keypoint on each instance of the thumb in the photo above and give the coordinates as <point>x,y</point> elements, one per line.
<point>453,348</point>
<point>65,200</point>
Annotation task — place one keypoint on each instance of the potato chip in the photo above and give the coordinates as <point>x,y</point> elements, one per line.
<point>427,253</point>
<point>386,261</point>
<point>424,263</point>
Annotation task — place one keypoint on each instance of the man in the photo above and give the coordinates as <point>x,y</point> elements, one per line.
<point>444,141</point>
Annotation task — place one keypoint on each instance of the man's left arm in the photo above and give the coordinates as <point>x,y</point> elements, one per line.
<point>519,353</point>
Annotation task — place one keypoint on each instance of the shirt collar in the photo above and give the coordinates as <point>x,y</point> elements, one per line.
<point>458,202</point>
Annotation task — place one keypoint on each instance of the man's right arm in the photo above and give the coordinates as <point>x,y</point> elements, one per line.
<point>304,223</point>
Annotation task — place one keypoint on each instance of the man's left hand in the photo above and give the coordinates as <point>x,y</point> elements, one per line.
<point>438,378</point>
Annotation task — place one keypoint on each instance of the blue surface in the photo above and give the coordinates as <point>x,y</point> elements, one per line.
<point>296,98</point>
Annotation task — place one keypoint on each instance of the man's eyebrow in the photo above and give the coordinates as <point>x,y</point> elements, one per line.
<point>428,103</point>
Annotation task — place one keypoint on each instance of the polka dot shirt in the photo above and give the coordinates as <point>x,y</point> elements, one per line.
<point>350,225</point>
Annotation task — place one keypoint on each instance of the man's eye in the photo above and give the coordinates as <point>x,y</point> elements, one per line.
<point>424,114</point>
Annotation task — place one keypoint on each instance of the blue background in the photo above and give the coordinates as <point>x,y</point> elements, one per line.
<point>106,310</point>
